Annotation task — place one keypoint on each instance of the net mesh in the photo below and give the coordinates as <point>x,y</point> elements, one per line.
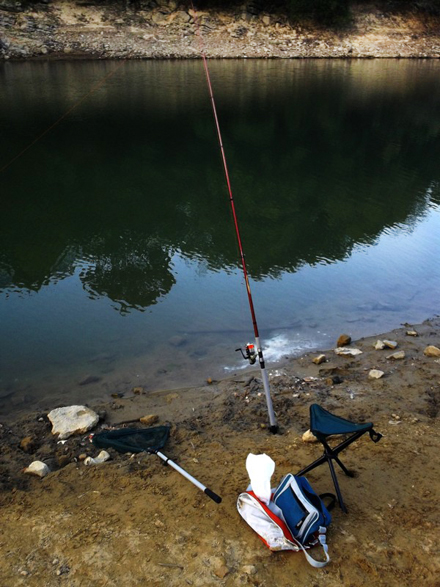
<point>133,440</point>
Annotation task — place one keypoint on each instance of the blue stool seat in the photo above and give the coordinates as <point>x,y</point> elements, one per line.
<point>324,424</point>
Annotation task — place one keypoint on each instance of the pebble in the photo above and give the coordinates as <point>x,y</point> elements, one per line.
<point>101,458</point>
<point>138,390</point>
<point>432,351</point>
<point>221,571</point>
<point>397,356</point>
<point>412,333</point>
<point>379,345</point>
<point>343,340</point>
<point>308,436</point>
<point>249,569</point>
<point>63,460</point>
<point>149,419</point>
<point>375,374</point>
<point>319,359</point>
<point>390,344</point>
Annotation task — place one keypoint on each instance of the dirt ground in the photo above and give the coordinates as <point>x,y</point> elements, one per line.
<point>133,521</point>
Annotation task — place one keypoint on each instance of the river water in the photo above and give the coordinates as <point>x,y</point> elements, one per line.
<point>118,257</point>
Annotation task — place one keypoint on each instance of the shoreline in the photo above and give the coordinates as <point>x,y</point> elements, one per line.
<point>165,30</point>
<point>90,524</point>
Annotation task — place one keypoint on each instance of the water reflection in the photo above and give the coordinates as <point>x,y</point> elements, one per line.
<point>323,157</point>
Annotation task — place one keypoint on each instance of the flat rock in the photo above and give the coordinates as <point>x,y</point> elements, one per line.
<point>343,340</point>
<point>72,420</point>
<point>319,359</point>
<point>432,351</point>
<point>397,356</point>
<point>348,352</point>
<point>375,374</point>
<point>37,468</point>
<point>379,345</point>
<point>308,436</point>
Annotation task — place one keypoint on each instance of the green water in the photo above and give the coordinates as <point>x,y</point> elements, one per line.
<point>118,257</point>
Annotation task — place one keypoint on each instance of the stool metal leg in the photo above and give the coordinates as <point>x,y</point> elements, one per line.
<point>336,484</point>
<point>312,465</point>
<point>344,468</point>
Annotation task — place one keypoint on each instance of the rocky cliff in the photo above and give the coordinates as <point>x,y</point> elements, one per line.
<point>161,29</point>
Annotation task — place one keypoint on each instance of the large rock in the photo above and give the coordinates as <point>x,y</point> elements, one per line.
<point>72,420</point>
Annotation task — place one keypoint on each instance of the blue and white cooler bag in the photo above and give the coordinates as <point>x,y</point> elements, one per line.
<point>295,519</point>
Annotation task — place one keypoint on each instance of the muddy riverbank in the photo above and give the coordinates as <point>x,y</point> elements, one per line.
<point>131,520</point>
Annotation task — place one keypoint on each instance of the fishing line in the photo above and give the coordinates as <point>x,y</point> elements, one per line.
<point>250,352</point>
<point>92,90</point>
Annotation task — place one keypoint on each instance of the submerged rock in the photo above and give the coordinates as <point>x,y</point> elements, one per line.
<point>72,420</point>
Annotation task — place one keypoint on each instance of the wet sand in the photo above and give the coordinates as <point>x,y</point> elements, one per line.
<point>132,521</point>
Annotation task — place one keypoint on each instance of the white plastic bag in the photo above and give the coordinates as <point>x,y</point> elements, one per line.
<point>260,469</point>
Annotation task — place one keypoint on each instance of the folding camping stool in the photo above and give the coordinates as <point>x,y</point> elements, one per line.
<point>324,424</point>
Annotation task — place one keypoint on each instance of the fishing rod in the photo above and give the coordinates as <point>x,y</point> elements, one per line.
<point>252,352</point>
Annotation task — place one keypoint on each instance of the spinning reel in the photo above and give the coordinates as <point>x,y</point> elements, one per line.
<point>250,353</point>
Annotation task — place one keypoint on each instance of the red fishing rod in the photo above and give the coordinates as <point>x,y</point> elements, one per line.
<point>250,354</point>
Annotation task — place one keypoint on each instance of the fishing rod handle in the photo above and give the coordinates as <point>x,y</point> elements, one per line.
<point>212,495</point>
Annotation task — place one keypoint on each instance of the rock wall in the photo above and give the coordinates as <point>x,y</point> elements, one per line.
<point>161,29</point>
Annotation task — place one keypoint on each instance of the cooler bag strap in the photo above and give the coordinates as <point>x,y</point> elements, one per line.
<point>323,542</point>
